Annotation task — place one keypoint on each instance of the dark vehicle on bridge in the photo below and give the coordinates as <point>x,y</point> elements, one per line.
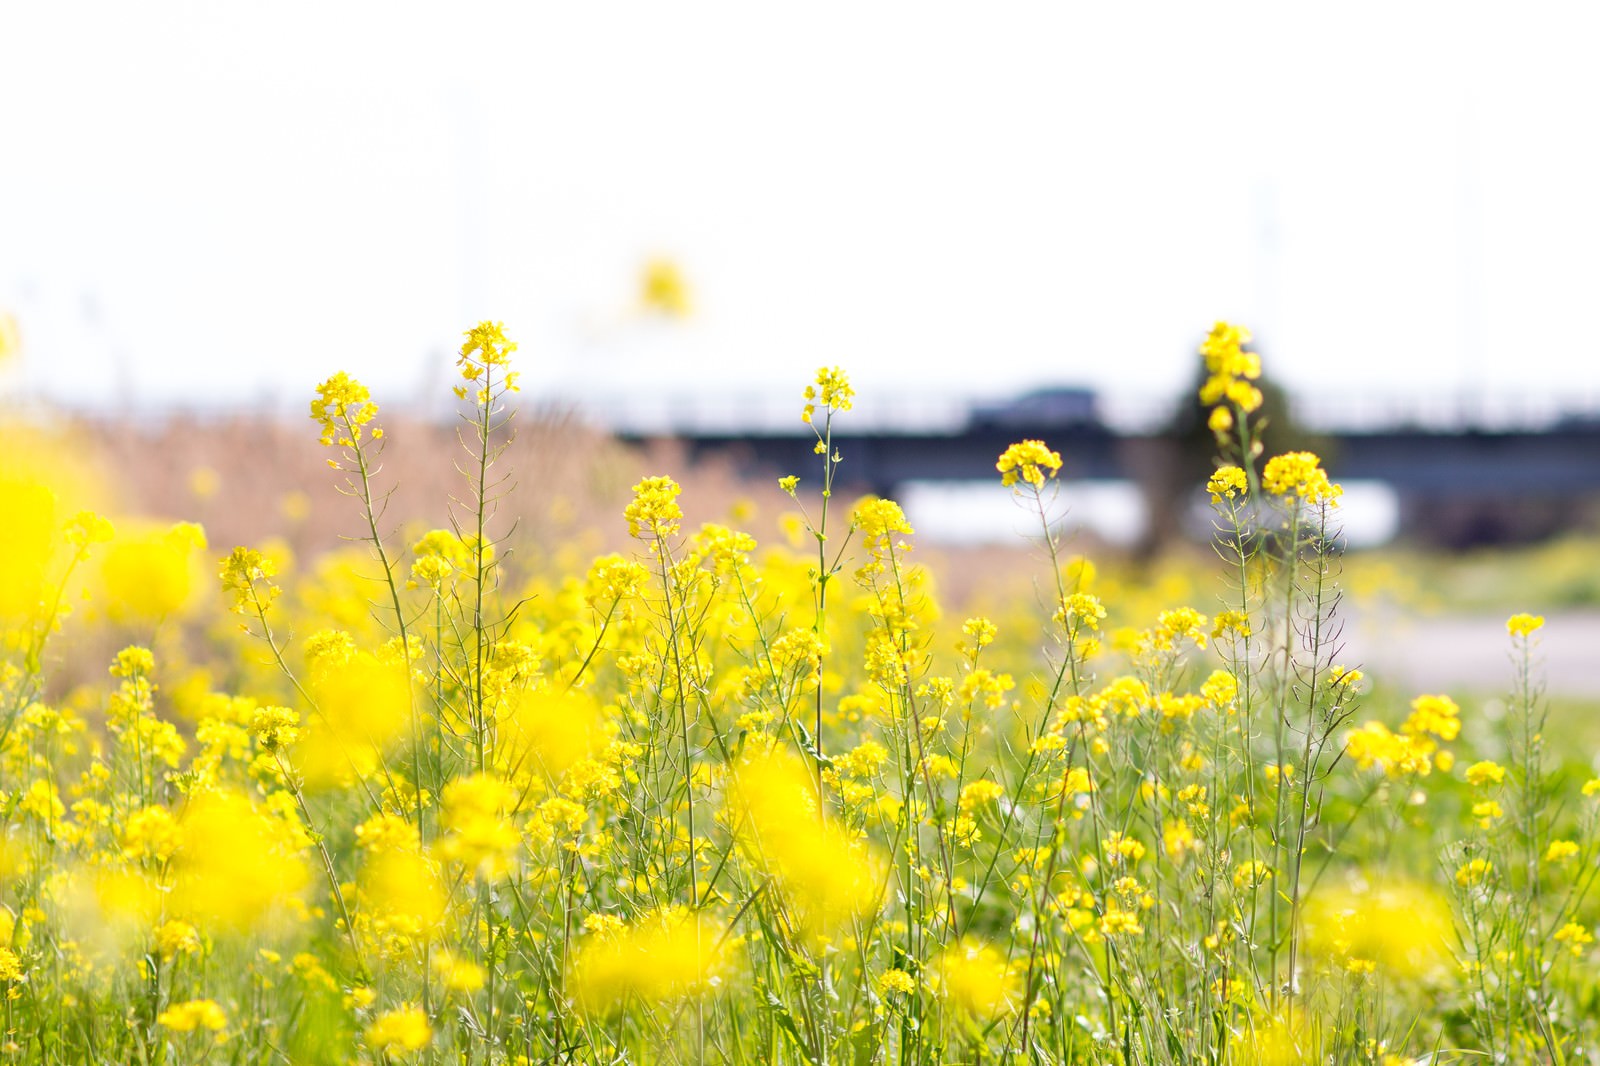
<point>1040,409</point>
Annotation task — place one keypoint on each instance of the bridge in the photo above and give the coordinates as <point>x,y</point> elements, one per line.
<point>1463,473</point>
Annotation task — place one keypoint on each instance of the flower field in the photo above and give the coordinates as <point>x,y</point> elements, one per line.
<point>459,797</point>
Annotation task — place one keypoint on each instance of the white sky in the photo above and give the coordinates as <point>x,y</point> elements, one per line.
<point>214,201</point>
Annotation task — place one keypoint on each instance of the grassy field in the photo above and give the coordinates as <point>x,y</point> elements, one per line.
<point>556,759</point>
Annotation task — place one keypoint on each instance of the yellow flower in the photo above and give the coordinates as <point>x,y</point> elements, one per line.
<point>832,390</point>
<point>654,511</point>
<point>175,937</point>
<point>1575,936</point>
<point>1487,812</point>
<point>1485,773</point>
<point>242,571</point>
<point>1250,874</point>
<point>479,836</point>
<point>662,289</point>
<point>458,974</point>
<point>1561,851</point>
<point>1028,461</point>
<point>11,969</point>
<point>976,979</point>
<point>665,956</point>
<point>275,727</point>
<point>1474,872</point>
<point>195,1014</point>
<point>1229,481</point>
<point>1522,625</point>
<point>149,575</point>
<point>1437,715</point>
<point>823,869</point>
<point>896,981</point>
<point>400,1030</point>
<point>485,346</point>
<point>1299,474</point>
<point>342,407</point>
<point>1401,928</point>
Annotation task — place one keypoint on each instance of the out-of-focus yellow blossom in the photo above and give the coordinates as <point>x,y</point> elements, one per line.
<point>10,336</point>
<point>1473,872</point>
<point>399,1031</point>
<point>456,973</point>
<point>1029,461</point>
<point>666,955</point>
<point>980,794</point>
<point>1393,753</point>
<point>1487,812</point>
<point>237,868</point>
<point>342,407</point>
<point>1342,677</point>
<point>1230,622</point>
<point>402,887</point>
<point>1249,875</point>
<point>176,937</point>
<point>832,390</point>
<point>192,1015</point>
<point>821,869</point>
<point>149,575</point>
<point>1299,474</point>
<point>1274,1042</point>
<point>1119,846</point>
<point>1575,937</point>
<point>1229,370</point>
<point>1522,625</point>
<point>549,730</point>
<point>1485,773</point>
<point>1228,482</point>
<point>1402,927</point>
<point>1437,715</point>
<point>365,706</point>
<point>663,290</point>
<point>980,631</point>
<point>654,510</point>
<point>1561,851</point>
<point>11,970</point>
<point>977,980</point>
<point>480,837</point>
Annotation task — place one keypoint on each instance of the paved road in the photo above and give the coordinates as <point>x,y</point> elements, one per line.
<point>1472,653</point>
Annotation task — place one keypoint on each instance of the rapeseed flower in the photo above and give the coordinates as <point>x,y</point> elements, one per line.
<point>1523,625</point>
<point>666,955</point>
<point>192,1015</point>
<point>1029,461</point>
<point>399,1031</point>
<point>343,407</point>
<point>832,390</point>
<point>1299,474</point>
<point>977,980</point>
<point>654,510</point>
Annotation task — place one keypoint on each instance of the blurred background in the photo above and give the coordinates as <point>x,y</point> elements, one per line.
<point>1003,223</point>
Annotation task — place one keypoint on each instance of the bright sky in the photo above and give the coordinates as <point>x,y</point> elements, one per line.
<point>228,202</point>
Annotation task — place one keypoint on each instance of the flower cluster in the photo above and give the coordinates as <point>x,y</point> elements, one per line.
<point>1028,461</point>
<point>342,407</point>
